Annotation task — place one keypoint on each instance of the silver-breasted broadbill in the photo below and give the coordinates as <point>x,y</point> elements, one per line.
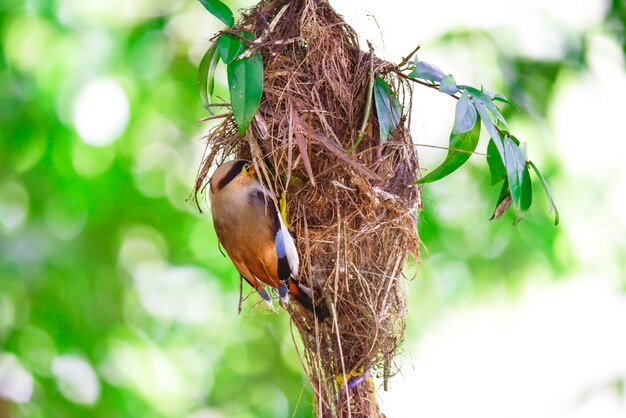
<point>253,233</point>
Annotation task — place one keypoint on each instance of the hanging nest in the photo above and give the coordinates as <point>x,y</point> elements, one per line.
<point>350,203</point>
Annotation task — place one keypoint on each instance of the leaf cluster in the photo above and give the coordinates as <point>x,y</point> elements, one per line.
<point>506,159</point>
<point>245,71</point>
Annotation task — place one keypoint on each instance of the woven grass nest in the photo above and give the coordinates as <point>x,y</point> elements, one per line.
<point>351,208</point>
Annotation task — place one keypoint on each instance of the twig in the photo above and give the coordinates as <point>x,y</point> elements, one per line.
<point>221,115</point>
<point>274,21</point>
<point>385,195</point>
<point>406,59</point>
<point>321,402</point>
<point>368,101</point>
<point>277,42</point>
<point>334,310</point>
<point>235,35</point>
<point>240,295</point>
<point>261,39</point>
<point>295,409</point>
<point>451,149</point>
<point>418,81</point>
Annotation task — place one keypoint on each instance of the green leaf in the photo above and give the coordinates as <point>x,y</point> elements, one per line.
<point>518,177</point>
<point>485,100</point>
<point>460,150</point>
<point>388,109</point>
<point>502,98</point>
<point>491,128</point>
<point>220,11</point>
<point>426,71</point>
<point>206,76</point>
<point>504,202</point>
<point>448,85</point>
<point>465,115</point>
<point>230,46</point>
<point>548,192</point>
<point>245,82</point>
<point>495,163</point>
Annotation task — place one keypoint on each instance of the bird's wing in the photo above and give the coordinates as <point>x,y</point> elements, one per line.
<point>284,248</point>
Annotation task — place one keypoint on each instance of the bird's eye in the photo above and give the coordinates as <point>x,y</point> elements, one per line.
<point>247,169</point>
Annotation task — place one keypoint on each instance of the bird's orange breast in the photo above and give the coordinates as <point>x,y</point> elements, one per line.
<point>247,233</point>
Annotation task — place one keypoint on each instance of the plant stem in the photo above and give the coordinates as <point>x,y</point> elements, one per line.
<point>368,101</point>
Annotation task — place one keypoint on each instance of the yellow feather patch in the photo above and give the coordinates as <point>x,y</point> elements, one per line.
<point>283,208</point>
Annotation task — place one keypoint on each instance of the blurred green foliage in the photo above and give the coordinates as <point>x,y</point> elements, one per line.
<point>114,301</point>
<point>102,257</point>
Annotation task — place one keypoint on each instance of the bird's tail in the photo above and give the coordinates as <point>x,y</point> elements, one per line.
<point>302,294</point>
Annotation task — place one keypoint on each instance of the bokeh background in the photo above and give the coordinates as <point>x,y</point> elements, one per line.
<point>115,301</point>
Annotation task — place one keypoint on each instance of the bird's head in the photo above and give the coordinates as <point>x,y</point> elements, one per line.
<point>239,172</point>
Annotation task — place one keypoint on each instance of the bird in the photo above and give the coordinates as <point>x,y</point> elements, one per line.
<point>253,233</point>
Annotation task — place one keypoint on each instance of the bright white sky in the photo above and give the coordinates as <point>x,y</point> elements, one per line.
<point>556,350</point>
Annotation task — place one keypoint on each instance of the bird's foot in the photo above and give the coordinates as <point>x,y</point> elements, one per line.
<point>283,292</point>
<point>267,299</point>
